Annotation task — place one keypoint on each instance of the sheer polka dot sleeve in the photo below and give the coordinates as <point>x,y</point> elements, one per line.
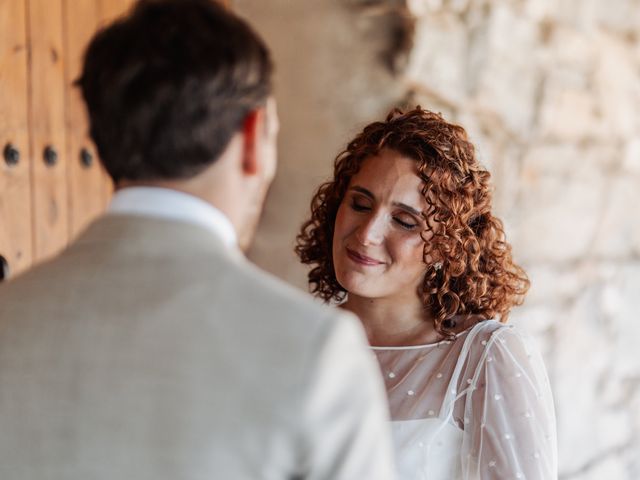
<point>509,420</point>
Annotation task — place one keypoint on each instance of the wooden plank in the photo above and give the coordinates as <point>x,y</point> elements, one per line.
<point>112,9</point>
<point>47,119</point>
<point>15,189</point>
<point>87,182</point>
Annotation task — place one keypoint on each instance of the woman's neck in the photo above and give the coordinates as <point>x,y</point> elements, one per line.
<point>393,322</point>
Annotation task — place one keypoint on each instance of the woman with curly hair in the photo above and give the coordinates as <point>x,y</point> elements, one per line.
<point>404,237</point>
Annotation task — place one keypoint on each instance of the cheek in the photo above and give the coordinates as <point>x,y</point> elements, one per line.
<point>341,225</point>
<point>338,229</point>
<point>418,250</point>
<point>409,254</point>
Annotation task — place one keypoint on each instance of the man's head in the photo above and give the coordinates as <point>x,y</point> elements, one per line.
<point>176,88</point>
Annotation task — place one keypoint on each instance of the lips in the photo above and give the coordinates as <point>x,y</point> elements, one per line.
<point>362,259</point>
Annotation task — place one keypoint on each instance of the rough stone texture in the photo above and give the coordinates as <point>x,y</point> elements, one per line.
<point>549,91</point>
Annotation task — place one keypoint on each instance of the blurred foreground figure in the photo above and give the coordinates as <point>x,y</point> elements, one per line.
<point>150,348</point>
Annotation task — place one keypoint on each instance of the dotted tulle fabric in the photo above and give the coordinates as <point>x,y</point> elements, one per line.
<point>476,407</point>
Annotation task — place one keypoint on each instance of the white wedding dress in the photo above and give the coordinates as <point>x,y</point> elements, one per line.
<point>474,408</point>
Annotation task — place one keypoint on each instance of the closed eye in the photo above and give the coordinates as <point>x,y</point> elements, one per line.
<point>405,225</point>
<point>359,207</point>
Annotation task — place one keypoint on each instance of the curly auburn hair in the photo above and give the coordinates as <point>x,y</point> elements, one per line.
<point>475,274</point>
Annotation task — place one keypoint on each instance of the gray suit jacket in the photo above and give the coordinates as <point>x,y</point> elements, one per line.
<point>147,350</point>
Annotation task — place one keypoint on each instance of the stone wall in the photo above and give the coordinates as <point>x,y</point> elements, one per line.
<point>549,91</point>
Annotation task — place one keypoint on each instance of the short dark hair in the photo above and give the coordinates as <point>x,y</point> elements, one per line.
<point>168,85</point>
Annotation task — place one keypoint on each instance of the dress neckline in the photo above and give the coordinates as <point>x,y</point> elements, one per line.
<point>425,345</point>
<point>435,344</point>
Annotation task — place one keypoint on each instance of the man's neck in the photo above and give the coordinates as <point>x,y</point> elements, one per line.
<point>197,187</point>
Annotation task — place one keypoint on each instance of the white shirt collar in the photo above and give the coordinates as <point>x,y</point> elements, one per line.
<point>171,204</point>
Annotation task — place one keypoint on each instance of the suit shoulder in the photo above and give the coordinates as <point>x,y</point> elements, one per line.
<point>270,291</point>
<point>253,295</point>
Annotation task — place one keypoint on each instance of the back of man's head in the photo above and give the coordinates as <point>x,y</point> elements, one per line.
<point>167,87</point>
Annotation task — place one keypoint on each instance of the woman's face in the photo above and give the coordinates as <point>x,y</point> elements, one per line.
<point>377,247</point>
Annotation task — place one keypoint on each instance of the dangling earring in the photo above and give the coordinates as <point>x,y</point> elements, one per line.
<point>437,266</point>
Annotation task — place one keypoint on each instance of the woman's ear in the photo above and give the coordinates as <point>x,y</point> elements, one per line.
<point>251,128</point>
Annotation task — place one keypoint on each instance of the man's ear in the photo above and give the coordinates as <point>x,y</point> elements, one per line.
<point>251,128</point>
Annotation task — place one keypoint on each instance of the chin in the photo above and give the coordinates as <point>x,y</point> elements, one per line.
<point>354,284</point>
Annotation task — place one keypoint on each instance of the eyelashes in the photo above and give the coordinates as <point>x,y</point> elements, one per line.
<point>405,225</point>
<point>358,207</point>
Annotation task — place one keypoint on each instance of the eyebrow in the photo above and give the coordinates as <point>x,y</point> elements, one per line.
<point>404,206</point>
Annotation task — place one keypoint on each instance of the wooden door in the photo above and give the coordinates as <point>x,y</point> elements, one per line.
<point>88,184</point>
<point>51,183</point>
<point>47,128</point>
<point>15,188</point>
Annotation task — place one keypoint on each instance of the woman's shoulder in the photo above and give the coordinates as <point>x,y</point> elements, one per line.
<point>489,339</point>
<point>487,332</point>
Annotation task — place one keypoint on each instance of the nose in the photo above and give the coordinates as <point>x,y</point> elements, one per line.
<point>371,231</point>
